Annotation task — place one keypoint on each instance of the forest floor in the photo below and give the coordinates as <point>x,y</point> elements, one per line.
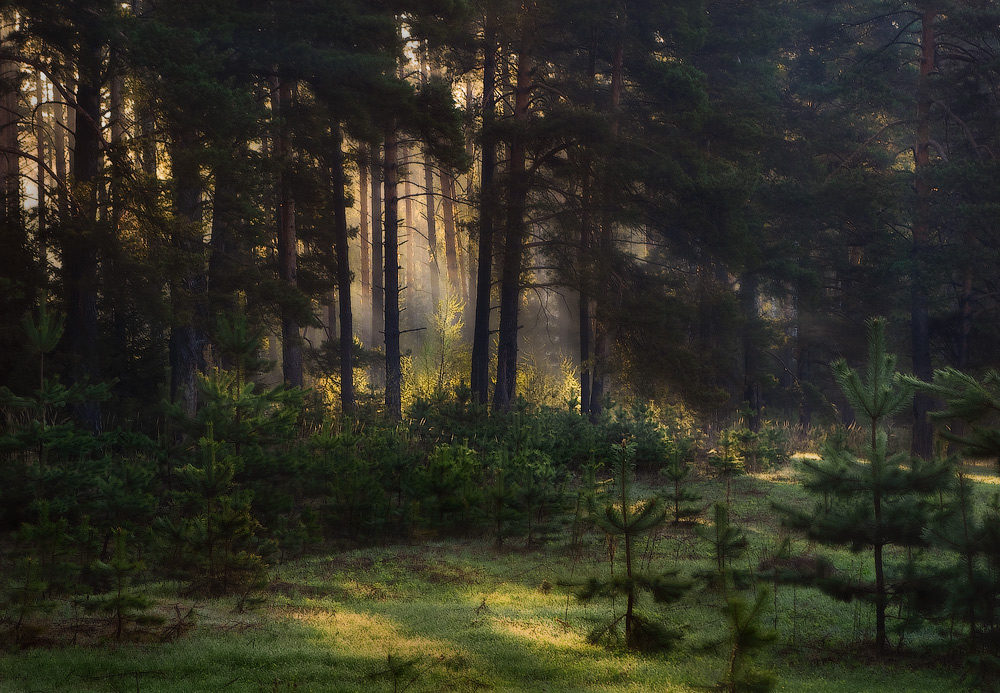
<point>464,615</point>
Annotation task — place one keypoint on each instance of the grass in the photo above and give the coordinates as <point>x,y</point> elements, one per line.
<point>459,615</point>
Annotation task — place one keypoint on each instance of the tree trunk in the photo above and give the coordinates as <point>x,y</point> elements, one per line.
<point>342,249</point>
<point>921,440</point>
<point>514,232</point>
<point>222,264</point>
<point>41,134</point>
<point>602,336</point>
<point>410,277</point>
<point>480,376</point>
<point>584,263</point>
<point>393,366</point>
<point>10,162</point>
<point>80,254</point>
<point>378,287</point>
<point>288,253</point>
<point>187,338</point>
<point>751,381</point>
<point>450,245</point>
<point>429,207</point>
<point>366,269</point>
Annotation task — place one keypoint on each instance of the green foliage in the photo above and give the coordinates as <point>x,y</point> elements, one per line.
<point>443,359</point>
<point>524,492</point>
<point>881,500</point>
<point>123,603</point>
<point>747,638</point>
<point>213,533</point>
<point>627,518</point>
<point>683,502</point>
<point>728,543</point>
<point>452,485</point>
<point>22,596</point>
<point>971,401</point>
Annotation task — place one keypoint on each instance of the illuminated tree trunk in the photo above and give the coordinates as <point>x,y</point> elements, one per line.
<point>378,286</point>
<point>480,377</point>
<point>363,196</point>
<point>342,250</point>
<point>450,245</point>
<point>429,206</point>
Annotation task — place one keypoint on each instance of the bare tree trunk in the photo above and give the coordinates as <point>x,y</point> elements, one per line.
<point>10,118</point>
<point>751,381</point>
<point>41,135</point>
<point>291,339</point>
<point>363,195</point>
<point>410,280</point>
<point>480,376</point>
<point>80,255</point>
<point>510,276</point>
<point>342,249</point>
<point>378,286</point>
<point>921,441</point>
<point>187,292</point>
<point>602,336</point>
<point>222,261</point>
<point>429,206</point>
<point>393,366</point>
<point>450,244</point>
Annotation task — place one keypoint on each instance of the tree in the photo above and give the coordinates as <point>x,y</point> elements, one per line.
<point>626,518</point>
<point>874,502</point>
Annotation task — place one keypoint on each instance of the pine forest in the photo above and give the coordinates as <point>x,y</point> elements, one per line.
<point>481,345</point>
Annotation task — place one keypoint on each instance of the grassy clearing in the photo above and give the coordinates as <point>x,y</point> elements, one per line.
<point>459,615</point>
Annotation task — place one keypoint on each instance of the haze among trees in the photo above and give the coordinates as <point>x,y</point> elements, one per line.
<point>264,264</point>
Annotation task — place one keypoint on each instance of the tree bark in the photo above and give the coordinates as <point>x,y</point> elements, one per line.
<point>378,285</point>
<point>187,292</point>
<point>342,249</point>
<point>288,254</point>
<point>80,258</point>
<point>41,135</point>
<point>602,329</point>
<point>921,440</point>
<point>450,245</point>
<point>364,196</point>
<point>480,376</point>
<point>410,276</point>
<point>429,207</point>
<point>393,366</point>
<point>751,382</point>
<point>514,232</point>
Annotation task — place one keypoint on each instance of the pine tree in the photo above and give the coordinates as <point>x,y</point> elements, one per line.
<point>626,518</point>
<point>876,501</point>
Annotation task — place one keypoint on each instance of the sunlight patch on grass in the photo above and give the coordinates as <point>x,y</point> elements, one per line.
<point>982,471</point>
<point>367,635</point>
<point>545,633</point>
<point>991,479</point>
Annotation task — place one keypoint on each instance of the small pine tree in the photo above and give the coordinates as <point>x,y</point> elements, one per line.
<point>973,402</point>
<point>123,603</point>
<point>626,519</point>
<point>878,500</point>
<point>684,503</point>
<point>728,543</point>
<point>218,528</point>
<point>747,637</point>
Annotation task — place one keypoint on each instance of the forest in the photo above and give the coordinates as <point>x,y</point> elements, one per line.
<point>465,345</point>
